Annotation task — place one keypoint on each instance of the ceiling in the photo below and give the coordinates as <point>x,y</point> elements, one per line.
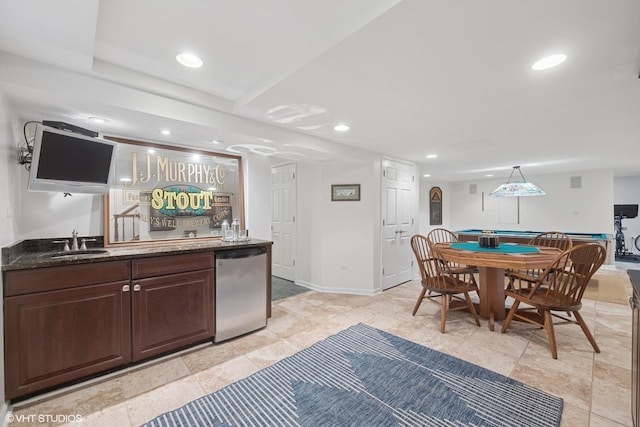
<point>410,77</point>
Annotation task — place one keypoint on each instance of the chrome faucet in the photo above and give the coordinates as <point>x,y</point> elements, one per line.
<point>83,246</point>
<point>66,244</point>
<point>74,243</point>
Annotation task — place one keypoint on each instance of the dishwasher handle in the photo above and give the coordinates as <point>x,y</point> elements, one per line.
<point>241,253</point>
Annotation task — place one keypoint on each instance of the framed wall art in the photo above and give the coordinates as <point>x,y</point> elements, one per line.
<point>163,193</point>
<point>435,206</point>
<point>345,192</point>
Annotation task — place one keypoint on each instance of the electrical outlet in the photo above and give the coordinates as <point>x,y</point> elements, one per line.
<point>9,212</point>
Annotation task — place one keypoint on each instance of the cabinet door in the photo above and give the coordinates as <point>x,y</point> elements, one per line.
<point>58,336</point>
<point>171,311</point>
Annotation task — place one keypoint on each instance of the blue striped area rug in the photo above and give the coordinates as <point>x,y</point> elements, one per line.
<point>366,377</point>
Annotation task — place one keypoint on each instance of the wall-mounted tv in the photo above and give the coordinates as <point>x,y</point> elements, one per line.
<point>69,162</point>
<point>625,211</point>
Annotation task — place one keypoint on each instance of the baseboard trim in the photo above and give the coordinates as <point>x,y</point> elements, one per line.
<point>350,291</point>
<point>4,411</point>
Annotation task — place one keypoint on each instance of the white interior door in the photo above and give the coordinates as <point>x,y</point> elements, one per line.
<point>398,194</point>
<point>283,221</point>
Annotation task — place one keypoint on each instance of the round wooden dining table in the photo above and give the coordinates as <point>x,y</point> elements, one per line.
<point>491,265</point>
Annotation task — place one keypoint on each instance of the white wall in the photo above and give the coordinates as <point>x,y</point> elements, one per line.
<point>626,191</point>
<point>9,169</point>
<point>587,209</point>
<point>337,241</point>
<point>257,195</point>
<point>47,215</point>
<point>308,208</point>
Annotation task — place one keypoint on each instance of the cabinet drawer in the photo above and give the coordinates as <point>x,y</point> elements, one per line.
<point>171,264</point>
<point>21,282</point>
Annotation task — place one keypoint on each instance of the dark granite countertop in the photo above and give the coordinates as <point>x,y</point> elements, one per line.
<point>634,275</point>
<point>36,253</point>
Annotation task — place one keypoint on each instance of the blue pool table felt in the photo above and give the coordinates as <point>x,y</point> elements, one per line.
<point>505,248</point>
<point>474,231</point>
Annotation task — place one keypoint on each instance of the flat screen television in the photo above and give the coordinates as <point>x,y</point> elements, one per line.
<point>70,162</point>
<point>625,211</point>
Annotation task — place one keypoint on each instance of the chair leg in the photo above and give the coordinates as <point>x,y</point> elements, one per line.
<point>510,284</point>
<point>586,331</point>
<point>548,325</point>
<point>443,311</point>
<point>472,309</point>
<point>509,318</point>
<point>541,314</point>
<point>420,298</point>
<point>492,320</point>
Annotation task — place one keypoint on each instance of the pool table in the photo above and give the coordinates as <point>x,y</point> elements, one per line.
<point>511,236</point>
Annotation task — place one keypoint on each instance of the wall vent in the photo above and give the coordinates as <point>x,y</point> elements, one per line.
<point>575,182</point>
<point>473,188</point>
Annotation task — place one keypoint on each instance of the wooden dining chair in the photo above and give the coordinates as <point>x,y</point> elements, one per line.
<point>442,235</point>
<point>552,239</point>
<point>438,280</point>
<point>548,239</point>
<point>558,289</point>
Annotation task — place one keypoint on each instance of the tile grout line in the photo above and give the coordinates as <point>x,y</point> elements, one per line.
<point>593,360</point>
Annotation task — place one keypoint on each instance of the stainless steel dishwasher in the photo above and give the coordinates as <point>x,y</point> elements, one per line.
<point>241,292</point>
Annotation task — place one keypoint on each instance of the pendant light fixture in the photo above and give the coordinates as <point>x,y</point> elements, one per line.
<point>517,188</point>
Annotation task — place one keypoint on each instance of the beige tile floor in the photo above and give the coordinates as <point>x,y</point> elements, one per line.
<point>595,387</point>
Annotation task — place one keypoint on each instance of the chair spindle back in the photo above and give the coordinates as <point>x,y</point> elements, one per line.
<point>567,277</point>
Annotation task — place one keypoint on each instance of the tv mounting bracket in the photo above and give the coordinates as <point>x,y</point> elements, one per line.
<point>69,127</point>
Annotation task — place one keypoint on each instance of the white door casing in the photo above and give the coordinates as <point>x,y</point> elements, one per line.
<point>283,221</point>
<point>397,201</point>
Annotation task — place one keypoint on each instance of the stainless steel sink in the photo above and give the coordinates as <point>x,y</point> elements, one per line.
<point>76,254</point>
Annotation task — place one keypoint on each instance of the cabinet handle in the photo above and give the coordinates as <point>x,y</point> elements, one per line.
<point>125,288</point>
<point>136,288</point>
<point>632,302</point>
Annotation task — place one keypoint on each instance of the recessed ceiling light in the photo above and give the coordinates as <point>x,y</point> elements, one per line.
<point>489,175</point>
<point>431,156</point>
<point>125,179</point>
<point>341,127</point>
<point>426,175</point>
<point>151,151</point>
<point>99,120</point>
<point>216,141</point>
<point>549,62</point>
<point>189,60</point>
<point>165,132</point>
